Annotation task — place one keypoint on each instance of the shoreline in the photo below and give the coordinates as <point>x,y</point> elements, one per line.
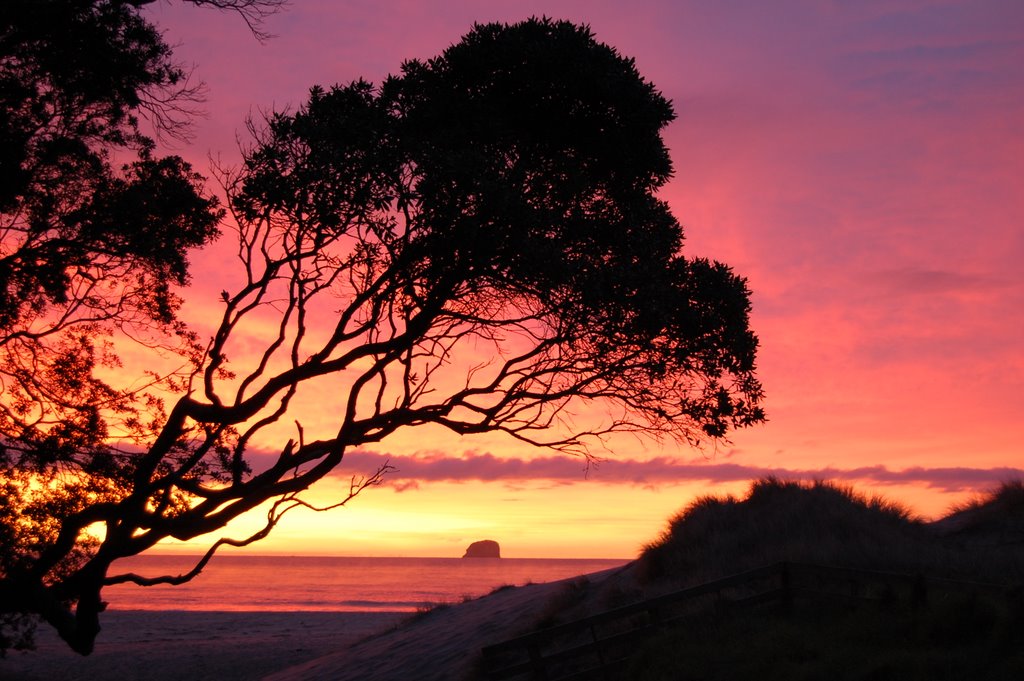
<point>443,642</point>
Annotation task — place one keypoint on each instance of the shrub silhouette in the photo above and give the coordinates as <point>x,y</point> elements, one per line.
<point>779,520</point>
<point>827,523</point>
<point>996,516</point>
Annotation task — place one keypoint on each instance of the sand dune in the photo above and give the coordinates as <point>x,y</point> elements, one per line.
<point>443,644</point>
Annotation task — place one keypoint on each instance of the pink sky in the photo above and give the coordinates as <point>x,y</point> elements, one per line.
<point>861,163</point>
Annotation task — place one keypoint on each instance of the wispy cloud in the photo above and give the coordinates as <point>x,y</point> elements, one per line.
<point>411,471</point>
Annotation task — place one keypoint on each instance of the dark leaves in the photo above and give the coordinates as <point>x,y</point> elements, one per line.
<point>526,158</point>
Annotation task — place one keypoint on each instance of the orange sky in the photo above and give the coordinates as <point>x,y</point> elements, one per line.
<point>861,163</point>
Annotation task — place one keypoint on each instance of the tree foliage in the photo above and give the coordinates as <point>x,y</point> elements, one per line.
<point>95,228</point>
<point>498,201</point>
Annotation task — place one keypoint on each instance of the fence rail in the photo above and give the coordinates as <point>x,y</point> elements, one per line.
<point>593,647</point>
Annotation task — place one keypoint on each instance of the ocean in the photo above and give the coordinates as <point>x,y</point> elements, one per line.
<point>341,584</point>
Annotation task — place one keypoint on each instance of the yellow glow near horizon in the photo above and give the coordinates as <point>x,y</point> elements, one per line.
<point>528,519</point>
<point>440,519</point>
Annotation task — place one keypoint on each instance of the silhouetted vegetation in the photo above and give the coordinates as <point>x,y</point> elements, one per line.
<point>830,524</point>
<point>498,199</point>
<point>95,229</point>
<point>783,520</point>
<point>793,581</point>
<point>995,518</point>
<point>850,626</point>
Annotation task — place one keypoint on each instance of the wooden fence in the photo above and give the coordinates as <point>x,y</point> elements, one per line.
<point>597,646</point>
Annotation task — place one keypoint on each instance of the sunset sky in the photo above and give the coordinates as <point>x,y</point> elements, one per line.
<point>861,163</point>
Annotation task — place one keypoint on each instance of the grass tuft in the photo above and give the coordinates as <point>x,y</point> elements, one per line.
<point>819,522</point>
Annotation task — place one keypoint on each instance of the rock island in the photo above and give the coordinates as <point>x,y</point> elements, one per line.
<point>486,548</point>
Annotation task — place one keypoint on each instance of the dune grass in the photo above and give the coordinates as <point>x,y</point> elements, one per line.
<point>822,522</point>
<point>958,637</point>
<point>952,637</point>
<point>996,515</point>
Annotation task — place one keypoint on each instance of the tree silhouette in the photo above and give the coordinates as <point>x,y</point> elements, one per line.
<point>95,227</point>
<point>497,201</point>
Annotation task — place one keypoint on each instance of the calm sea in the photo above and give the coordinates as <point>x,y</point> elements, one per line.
<point>285,583</point>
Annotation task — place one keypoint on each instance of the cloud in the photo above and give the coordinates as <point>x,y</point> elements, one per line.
<point>413,470</point>
<point>929,75</point>
<point>912,281</point>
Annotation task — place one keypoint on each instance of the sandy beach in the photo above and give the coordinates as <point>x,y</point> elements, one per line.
<point>438,645</point>
<point>159,646</point>
<point>443,643</point>
<point>286,646</point>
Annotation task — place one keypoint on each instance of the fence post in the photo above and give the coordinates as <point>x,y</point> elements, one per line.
<point>787,587</point>
<point>537,662</point>
<point>919,592</point>
<point>602,663</point>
